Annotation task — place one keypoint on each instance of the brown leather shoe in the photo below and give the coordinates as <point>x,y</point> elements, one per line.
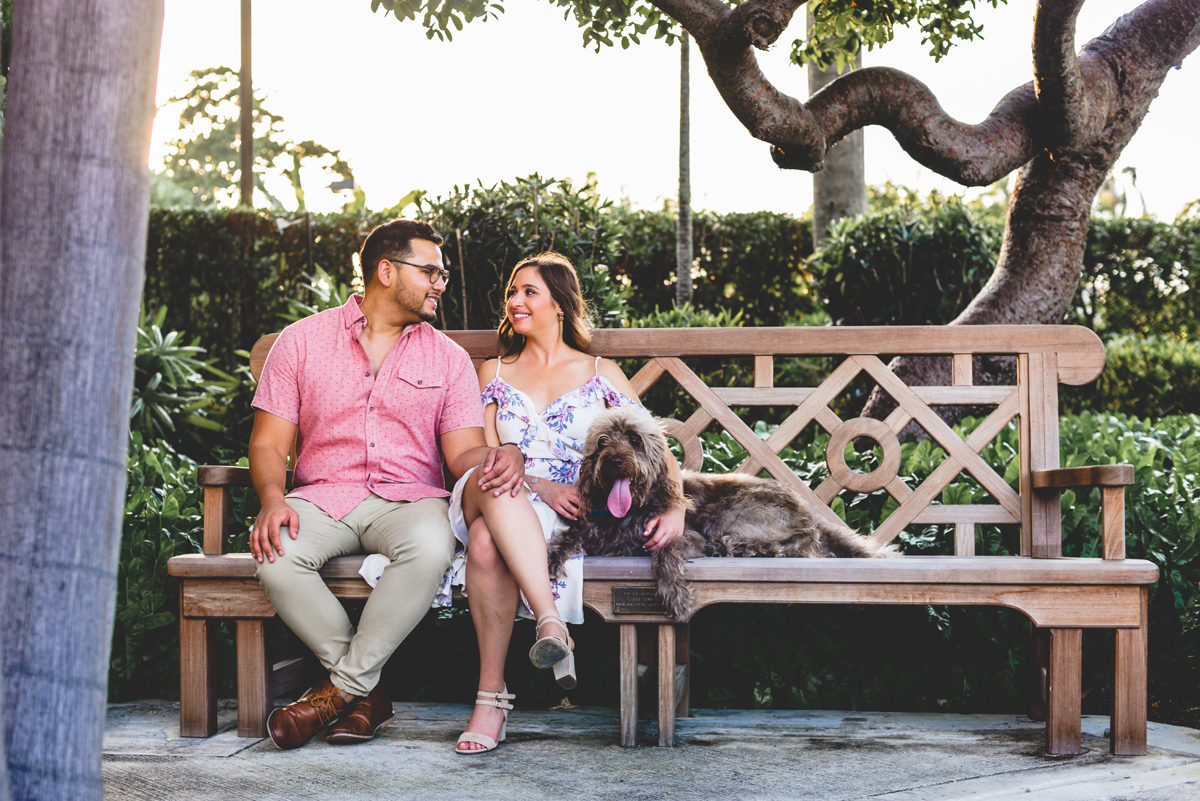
<point>294,725</point>
<point>366,716</point>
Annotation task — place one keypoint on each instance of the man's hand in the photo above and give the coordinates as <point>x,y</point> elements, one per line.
<point>264,537</point>
<point>502,470</point>
<point>665,528</point>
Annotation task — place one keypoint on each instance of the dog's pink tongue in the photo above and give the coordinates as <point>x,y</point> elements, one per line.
<point>619,499</point>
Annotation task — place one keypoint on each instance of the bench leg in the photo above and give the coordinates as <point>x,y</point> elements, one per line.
<point>253,679</point>
<point>1063,718</point>
<point>683,679</point>
<point>197,678</point>
<point>1039,662</point>
<point>1127,728</point>
<point>666,684</point>
<point>629,699</point>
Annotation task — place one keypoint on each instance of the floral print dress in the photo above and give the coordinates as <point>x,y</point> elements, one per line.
<point>552,441</point>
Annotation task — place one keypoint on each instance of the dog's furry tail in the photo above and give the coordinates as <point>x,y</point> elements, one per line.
<point>839,541</point>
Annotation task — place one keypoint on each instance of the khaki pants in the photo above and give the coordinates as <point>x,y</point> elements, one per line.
<point>415,536</point>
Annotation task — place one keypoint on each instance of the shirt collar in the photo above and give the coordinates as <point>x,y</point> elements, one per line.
<point>354,319</point>
<point>352,315</point>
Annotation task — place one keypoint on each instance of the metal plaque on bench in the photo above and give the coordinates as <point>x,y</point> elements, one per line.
<point>637,601</point>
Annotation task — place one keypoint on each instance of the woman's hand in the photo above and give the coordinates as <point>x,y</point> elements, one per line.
<point>665,529</point>
<point>562,498</point>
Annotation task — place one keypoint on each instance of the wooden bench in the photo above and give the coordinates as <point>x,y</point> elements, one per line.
<point>1061,596</point>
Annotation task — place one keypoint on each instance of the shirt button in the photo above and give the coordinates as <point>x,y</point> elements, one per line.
<point>367,374</point>
<point>372,444</point>
<point>372,408</point>
<point>419,382</point>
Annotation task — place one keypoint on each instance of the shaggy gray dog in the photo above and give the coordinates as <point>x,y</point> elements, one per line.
<point>623,483</point>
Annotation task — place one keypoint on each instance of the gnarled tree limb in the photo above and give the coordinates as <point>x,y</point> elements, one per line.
<point>1074,107</point>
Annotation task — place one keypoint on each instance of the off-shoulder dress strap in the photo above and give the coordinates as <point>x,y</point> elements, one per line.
<point>597,365</point>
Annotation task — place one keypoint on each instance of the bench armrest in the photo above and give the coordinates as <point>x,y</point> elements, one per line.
<point>1105,475</point>
<point>1112,479</point>
<point>216,480</point>
<point>218,475</point>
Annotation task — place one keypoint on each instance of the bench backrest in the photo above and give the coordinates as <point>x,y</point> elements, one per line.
<point>1045,357</point>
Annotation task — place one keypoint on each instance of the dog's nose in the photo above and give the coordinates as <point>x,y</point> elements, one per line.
<point>616,461</point>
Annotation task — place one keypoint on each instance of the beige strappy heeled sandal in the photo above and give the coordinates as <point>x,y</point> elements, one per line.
<point>555,652</point>
<point>499,700</point>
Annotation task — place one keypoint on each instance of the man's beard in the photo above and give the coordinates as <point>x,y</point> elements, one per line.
<point>413,301</point>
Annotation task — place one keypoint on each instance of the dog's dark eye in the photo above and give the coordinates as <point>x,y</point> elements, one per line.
<point>602,442</point>
<point>635,440</point>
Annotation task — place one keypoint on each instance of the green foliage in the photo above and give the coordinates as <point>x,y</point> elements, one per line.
<point>162,518</point>
<point>326,293</point>
<point>1151,378</point>
<point>169,386</point>
<point>905,265</point>
<point>752,262</point>
<point>206,160</point>
<point>687,316</point>
<point>489,229</point>
<point>842,27</point>
<point>1139,277</point>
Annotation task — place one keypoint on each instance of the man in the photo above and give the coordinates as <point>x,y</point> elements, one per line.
<point>372,390</point>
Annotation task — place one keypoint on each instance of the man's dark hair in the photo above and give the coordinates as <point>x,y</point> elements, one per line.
<point>392,240</point>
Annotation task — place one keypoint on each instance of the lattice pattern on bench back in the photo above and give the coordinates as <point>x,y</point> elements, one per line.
<point>1045,355</point>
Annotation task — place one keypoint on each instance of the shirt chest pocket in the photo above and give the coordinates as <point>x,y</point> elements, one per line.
<point>416,395</point>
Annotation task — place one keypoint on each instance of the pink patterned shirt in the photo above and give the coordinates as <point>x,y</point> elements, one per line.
<point>361,433</point>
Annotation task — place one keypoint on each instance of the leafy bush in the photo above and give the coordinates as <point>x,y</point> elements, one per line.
<point>905,265</point>
<point>489,229</point>
<point>1139,277</point>
<point>163,517</point>
<point>1152,378</point>
<point>169,387</point>
<point>754,263</point>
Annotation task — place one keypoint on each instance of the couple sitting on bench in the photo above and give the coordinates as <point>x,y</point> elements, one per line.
<point>369,391</point>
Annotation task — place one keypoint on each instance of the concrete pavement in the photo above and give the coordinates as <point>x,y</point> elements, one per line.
<point>572,753</point>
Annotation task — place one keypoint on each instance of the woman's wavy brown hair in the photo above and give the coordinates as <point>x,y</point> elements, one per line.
<point>561,279</point>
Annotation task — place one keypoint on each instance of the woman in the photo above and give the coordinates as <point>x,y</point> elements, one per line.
<point>541,395</point>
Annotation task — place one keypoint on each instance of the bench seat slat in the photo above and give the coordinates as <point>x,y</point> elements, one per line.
<point>908,569</point>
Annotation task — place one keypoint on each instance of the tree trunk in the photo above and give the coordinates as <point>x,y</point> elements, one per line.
<point>839,190</point>
<point>683,224</point>
<point>74,193</point>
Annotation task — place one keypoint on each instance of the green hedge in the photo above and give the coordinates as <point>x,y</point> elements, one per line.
<point>1150,378</point>
<point>906,265</point>
<point>752,263</point>
<point>1139,277</point>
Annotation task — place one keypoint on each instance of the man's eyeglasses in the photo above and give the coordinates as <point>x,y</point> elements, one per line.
<point>431,272</point>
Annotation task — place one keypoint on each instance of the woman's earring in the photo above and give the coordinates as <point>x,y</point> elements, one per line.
<point>560,317</point>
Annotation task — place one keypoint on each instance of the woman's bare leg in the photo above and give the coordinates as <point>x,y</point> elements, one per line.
<point>517,533</point>
<point>492,596</point>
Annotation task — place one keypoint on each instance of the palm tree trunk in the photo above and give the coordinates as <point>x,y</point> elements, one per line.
<point>683,224</point>
<point>74,194</point>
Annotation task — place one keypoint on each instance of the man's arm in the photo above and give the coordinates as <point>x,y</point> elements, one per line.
<point>503,468</point>
<point>270,443</point>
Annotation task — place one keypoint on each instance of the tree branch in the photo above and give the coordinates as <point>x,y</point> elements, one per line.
<point>1074,106</point>
<point>1064,111</point>
<point>973,155</point>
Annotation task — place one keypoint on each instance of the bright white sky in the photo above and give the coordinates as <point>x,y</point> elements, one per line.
<point>520,95</point>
